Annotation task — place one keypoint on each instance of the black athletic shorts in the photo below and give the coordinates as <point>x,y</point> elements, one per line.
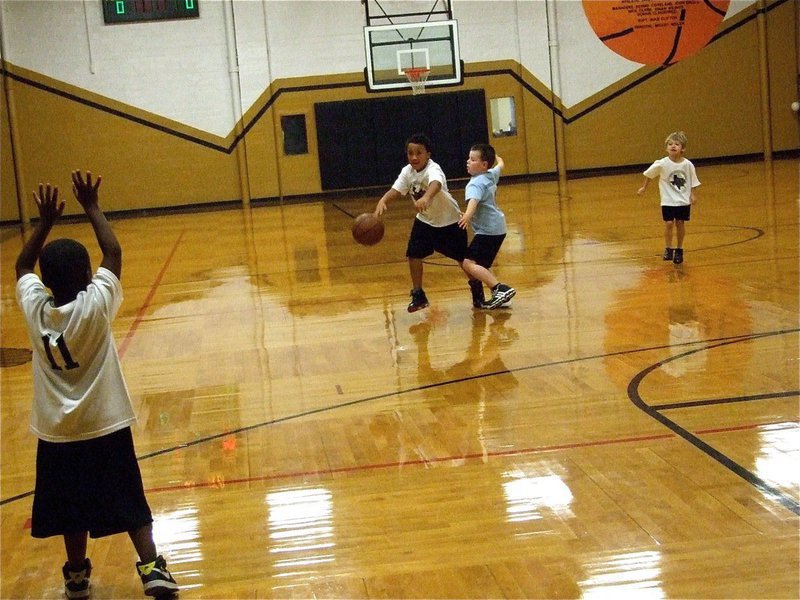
<point>483,249</point>
<point>449,240</point>
<point>679,213</point>
<point>91,485</point>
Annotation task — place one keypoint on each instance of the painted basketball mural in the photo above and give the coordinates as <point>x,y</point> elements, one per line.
<point>655,32</point>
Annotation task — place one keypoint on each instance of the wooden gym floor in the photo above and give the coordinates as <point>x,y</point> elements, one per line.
<point>627,428</point>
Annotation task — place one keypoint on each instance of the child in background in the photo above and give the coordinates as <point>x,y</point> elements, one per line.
<point>488,224</point>
<point>87,478</point>
<point>677,183</point>
<point>436,226</point>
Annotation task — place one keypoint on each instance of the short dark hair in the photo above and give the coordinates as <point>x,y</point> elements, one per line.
<point>64,264</point>
<point>487,152</point>
<point>422,140</point>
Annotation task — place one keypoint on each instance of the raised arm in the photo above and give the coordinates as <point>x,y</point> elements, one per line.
<point>50,210</point>
<point>86,194</point>
<point>499,162</point>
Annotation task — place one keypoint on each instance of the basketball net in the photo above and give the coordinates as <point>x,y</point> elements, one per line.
<point>417,76</point>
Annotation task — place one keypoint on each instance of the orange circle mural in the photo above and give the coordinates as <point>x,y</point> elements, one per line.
<point>655,32</point>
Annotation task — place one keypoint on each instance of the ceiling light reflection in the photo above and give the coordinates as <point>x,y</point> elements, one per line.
<point>776,460</point>
<point>527,496</point>
<point>176,534</point>
<point>635,575</point>
<point>301,532</point>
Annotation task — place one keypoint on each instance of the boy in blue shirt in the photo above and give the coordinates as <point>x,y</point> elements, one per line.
<point>488,225</point>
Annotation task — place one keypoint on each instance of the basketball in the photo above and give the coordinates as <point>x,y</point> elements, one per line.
<point>367,229</point>
<point>655,33</point>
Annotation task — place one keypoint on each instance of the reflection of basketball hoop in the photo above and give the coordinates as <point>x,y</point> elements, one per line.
<point>417,76</point>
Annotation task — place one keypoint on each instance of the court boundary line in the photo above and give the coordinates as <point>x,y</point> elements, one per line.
<point>770,491</point>
<point>320,410</point>
<point>731,400</point>
<point>216,483</point>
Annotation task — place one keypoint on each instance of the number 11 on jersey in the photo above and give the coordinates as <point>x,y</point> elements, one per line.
<point>69,363</point>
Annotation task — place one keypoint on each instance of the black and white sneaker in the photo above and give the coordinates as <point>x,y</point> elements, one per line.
<point>678,258</point>
<point>501,294</point>
<point>156,579</point>
<point>418,300</point>
<point>76,583</point>
<point>669,253</point>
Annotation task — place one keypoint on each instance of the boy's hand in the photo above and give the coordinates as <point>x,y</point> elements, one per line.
<point>463,222</point>
<point>50,209</point>
<point>421,204</point>
<point>641,190</point>
<point>380,208</point>
<point>85,192</point>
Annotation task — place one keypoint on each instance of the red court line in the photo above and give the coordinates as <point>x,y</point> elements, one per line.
<point>219,483</point>
<point>418,462</point>
<point>149,298</point>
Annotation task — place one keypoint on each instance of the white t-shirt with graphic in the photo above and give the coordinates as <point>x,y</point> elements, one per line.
<point>79,391</point>
<point>443,209</point>
<point>675,180</point>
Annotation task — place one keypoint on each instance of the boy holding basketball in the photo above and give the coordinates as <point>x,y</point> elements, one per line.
<point>488,225</point>
<point>87,478</point>
<point>435,227</point>
<point>677,183</point>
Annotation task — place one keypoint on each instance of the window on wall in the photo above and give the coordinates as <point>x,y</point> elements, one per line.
<point>295,140</point>
<point>504,116</point>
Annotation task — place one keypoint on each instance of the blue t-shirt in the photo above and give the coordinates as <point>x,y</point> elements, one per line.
<point>488,219</point>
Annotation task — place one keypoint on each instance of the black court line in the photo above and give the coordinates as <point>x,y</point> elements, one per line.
<point>443,261</point>
<point>633,394</point>
<point>359,401</point>
<point>712,402</point>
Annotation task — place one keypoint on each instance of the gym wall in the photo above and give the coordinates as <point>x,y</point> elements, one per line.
<point>190,112</point>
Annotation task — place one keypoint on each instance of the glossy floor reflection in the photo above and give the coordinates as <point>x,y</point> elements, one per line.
<point>626,428</point>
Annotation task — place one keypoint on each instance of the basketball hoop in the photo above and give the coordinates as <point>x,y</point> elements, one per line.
<point>417,76</point>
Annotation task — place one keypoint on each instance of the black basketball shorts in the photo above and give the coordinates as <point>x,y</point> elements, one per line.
<point>449,240</point>
<point>91,485</point>
<point>676,213</point>
<point>483,248</point>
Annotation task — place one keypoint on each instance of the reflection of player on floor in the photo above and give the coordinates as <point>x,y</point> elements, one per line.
<point>488,224</point>
<point>436,224</point>
<point>87,477</point>
<point>483,356</point>
<point>677,181</point>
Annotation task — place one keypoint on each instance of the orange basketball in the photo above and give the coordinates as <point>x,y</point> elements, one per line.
<point>367,229</point>
<point>655,33</point>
